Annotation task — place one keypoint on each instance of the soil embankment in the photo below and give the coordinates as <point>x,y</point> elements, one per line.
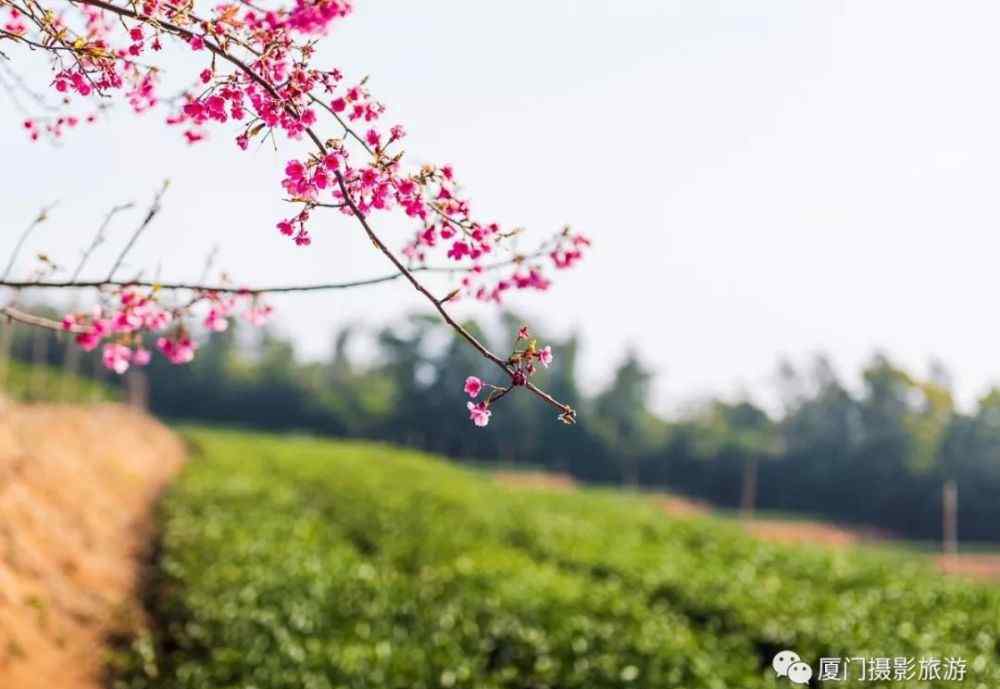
<point>77,491</point>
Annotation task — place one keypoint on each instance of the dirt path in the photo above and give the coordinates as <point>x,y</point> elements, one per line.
<point>77,488</point>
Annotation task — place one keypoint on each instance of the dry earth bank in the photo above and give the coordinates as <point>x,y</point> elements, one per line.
<point>77,490</point>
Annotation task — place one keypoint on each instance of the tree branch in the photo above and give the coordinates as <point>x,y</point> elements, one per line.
<point>154,209</point>
<point>566,411</point>
<point>214,45</point>
<point>98,238</point>
<point>271,289</point>
<point>39,219</point>
<point>13,314</point>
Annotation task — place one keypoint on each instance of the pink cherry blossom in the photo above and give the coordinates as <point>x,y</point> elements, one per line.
<point>89,339</point>
<point>177,351</point>
<point>545,356</point>
<point>473,386</point>
<point>258,315</point>
<point>155,318</point>
<point>479,414</point>
<point>216,320</point>
<point>117,357</point>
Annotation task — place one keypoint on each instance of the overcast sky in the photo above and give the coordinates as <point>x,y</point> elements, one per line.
<point>758,178</point>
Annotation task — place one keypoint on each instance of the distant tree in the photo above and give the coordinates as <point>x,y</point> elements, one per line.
<point>745,430</point>
<point>622,417</point>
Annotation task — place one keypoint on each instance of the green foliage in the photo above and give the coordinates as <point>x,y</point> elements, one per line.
<point>37,383</point>
<point>295,563</point>
<point>875,454</point>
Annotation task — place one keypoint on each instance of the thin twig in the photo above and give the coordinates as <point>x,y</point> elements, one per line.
<point>39,219</point>
<point>154,209</point>
<point>18,82</point>
<point>99,238</point>
<point>209,263</point>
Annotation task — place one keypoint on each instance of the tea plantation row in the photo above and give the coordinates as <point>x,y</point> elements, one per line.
<point>295,563</point>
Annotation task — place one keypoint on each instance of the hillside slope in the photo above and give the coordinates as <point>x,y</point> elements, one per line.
<point>76,489</point>
<point>290,562</point>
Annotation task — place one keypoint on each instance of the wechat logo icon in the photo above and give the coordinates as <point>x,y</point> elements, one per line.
<point>788,664</point>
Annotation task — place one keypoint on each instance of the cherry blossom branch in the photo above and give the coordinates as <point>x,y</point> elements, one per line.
<point>567,413</point>
<point>438,303</point>
<point>14,314</point>
<point>279,68</point>
<point>183,33</point>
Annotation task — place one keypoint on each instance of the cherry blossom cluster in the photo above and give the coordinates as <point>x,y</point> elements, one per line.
<point>15,23</point>
<point>430,196</point>
<point>125,320</point>
<point>521,366</point>
<point>52,128</point>
<point>255,74</point>
<point>271,86</point>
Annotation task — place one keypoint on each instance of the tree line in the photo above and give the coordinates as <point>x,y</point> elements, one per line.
<point>874,454</point>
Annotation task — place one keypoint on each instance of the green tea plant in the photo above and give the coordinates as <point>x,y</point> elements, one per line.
<point>302,563</point>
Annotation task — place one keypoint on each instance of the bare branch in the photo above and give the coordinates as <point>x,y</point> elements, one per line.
<point>154,209</point>
<point>39,219</point>
<point>18,82</point>
<point>209,263</point>
<point>99,238</point>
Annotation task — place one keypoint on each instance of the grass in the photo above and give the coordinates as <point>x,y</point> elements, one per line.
<point>35,383</point>
<point>298,563</point>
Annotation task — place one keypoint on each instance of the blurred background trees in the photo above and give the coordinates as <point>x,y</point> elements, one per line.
<point>875,453</point>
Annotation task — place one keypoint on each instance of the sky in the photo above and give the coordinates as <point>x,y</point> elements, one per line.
<point>759,179</point>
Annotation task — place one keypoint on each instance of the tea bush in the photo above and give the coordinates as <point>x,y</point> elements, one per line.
<point>290,562</point>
